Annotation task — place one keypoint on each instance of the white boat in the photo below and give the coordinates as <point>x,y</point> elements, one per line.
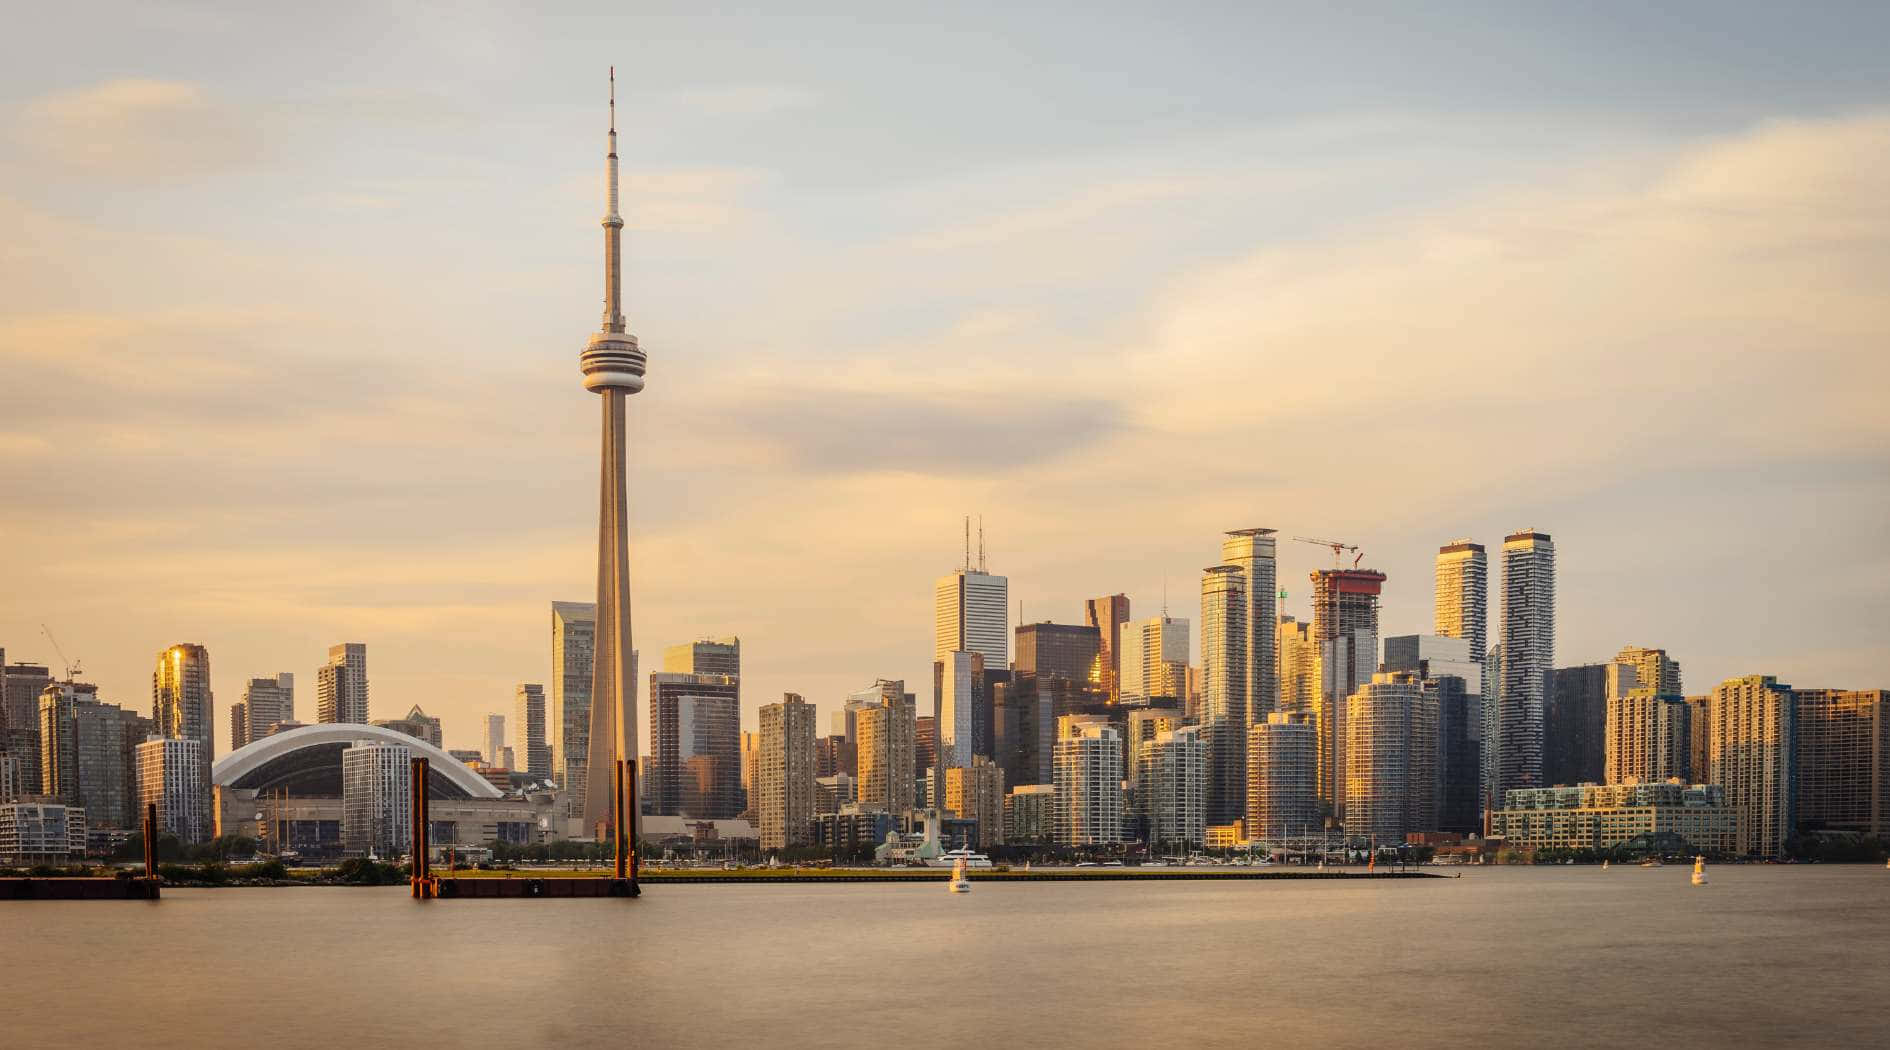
<point>960,884</point>
<point>961,856</point>
<point>1604,865</point>
<point>1699,871</point>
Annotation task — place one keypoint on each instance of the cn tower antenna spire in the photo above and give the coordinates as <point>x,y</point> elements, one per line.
<point>613,227</point>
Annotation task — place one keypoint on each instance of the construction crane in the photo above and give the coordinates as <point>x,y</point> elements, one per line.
<point>73,670</point>
<point>1336,547</point>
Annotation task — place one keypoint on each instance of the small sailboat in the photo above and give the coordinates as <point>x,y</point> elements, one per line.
<point>1604,865</point>
<point>960,884</point>
<point>1699,871</point>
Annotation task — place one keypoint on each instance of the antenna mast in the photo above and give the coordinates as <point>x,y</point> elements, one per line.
<point>981,543</point>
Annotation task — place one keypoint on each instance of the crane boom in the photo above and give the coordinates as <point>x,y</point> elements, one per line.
<point>73,670</point>
<point>1336,547</point>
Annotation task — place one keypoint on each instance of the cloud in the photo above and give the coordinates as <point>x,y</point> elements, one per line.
<point>138,131</point>
<point>738,100</point>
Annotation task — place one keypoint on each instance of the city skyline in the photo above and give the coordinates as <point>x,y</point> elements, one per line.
<point>376,520</point>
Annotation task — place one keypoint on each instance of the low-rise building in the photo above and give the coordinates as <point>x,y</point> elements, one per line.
<point>41,833</point>
<point>1602,816</point>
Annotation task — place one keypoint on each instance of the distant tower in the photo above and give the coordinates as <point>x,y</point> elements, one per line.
<point>341,685</point>
<point>1252,551</point>
<point>1528,656</point>
<point>613,367</point>
<point>1224,667</point>
<point>181,705</point>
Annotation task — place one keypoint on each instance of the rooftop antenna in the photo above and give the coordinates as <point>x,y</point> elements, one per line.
<point>967,543</point>
<point>980,543</point>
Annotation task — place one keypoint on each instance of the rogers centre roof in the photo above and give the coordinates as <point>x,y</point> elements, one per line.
<point>307,761</point>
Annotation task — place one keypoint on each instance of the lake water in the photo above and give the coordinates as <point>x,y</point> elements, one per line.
<point>1501,957</point>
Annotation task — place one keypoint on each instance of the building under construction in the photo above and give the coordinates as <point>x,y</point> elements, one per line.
<point>1345,633</point>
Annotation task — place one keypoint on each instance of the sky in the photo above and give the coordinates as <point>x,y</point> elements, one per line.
<point>291,304</point>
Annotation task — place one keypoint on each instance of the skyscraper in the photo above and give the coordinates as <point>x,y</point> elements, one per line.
<point>1574,724</point>
<point>417,724</point>
<point>976,792</point>
<point>884,726</point>
<point>1089,768</point>
<point>573,652</point>
<point>613,368</point>
<point>266,703</point>
<point>1453,679</point>
<point>1174,781</point>
<point>181,705</point>
<point>1528,655</point>
<point>341,685</point>
<point>1653,669</point>
<point>1649,738</point>
<point>1224,669</point>
<point>20,686</point>
<point>1463,595</point>
<point>1844,760</point>
<point>1154,658</point>
<point>1345,632</point>
<point>1753,755</point>
<point>695,746</point>
<point>958,706</point>
<point>171,774</point>
<point>495,740</point>
<point>528,732</point>
<point>721,656</point>
<point>88,753</point>
<point>1391,758</point>
<point>1107,615</point>
<point>1298,673</point>
<point>1282,776</point>
<point>1252,552</point>
<point>1068,651</point>
<point>784,773</point>
<point>972,610</point>
<point>376,799</point>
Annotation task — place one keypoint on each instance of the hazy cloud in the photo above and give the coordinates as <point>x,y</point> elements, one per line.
<point>137,131</point>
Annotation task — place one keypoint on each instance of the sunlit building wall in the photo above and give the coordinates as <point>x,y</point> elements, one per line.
<point>1844,760</point>
<point>1282,776</point>
<point>1392,758</point>
<point>1528,654</point>
<point>1649,738</point>
<point>1224,667</point>
<point>341,685</point>
<point>784,774</point>
<point>1174,780</point>
<point>181,704</point>
<point>1252,552</point>
<point>1089,771</point>
<point>376,799</point>
<point>1106,616</point>
<point>1752,754</point>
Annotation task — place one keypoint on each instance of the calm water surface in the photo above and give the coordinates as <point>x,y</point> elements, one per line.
<point>1500,957</point>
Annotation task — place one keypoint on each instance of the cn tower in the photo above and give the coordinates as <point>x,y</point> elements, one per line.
<point>613,367</point>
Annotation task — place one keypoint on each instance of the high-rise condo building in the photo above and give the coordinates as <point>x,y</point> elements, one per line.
<point>1528,654</point>
<point>1463,595</point>
<point>1844,760</point>
<point>1154,658</point>
<point>266,704</point>
<point>1753,755</point>
<point>695,746</point>
<point>1107,616</point>
<point>171,774</point>
<point>20,686</point>
<point>1252,552</point>
<point>1345,632</point>
<point>495,740</point>
<point>181,704</point>
<point>1299,664</point>
<point>1653,669</point>
<point>1282,776</point>
<point>341,685</point>
<point>976,792</point>
<point>88,753</point>
<point>1454,680</point>
<point>722,656</point>
<point>376,799</point>
<point>1492,727</point>
<point>528,720</point>
<point>573,652</point>
<point>1089,769</point>
<point>1391,758</point>
<point>1574,721</point>
<point>1174,781</point>
<point>973,616</point>
<point>784,773</point>
<point>885,724</point>
<point>1224,668</point>
<point>1649,739</point>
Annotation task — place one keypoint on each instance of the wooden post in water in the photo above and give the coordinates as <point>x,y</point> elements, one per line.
<point>420,870</point>
<point>150,840</point>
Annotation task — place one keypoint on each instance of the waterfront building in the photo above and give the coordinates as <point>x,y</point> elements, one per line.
<point>1574,723</point>
<point>1649,738</point>
<point>170,772</point>
<point>1154,658</point>
<point>41,832</point>
<point>976,792</point>
<point>1107,616</point>
<point>529,730</point>
<point>1345,634</point>
<point>1462,600</point>
<point>1603,816</point>
<point>695,746</point>
<point>266,703</point>
<point>784,774</point>
<point>1844,760</point>
<point>1653,669</point>
<point>181,705</point>
<point>1224,669</point>
<point>1282,775</point>
<point>376,799</point>
<point>718,656</point>
<point>20,686</point>
<point>341,685</point>
<point>1752,755</point>
<point>495,739</point>
<point>1030,814</point>
<point>1228,836</point>
<point>573,662</point>
<point>1173,783</point>
<point>1251,551</point>
<point>88,754</point>
<point>972,614</point>
<point>885,725</point>
<point>1089,771</point>
<point>417,724</point>
<point>1392,758</point>
<point>1528,654</point>
<point>1299,666</point>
